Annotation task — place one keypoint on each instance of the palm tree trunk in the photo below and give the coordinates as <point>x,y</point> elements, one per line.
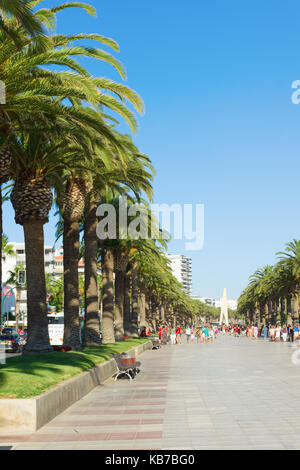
<point>262,310</point>
<point>37,321</point>
<point>108,334</point>
<point>289,310</point>
<point>127,304</point>
<point>135,304</point>
<point>91,334</point>
<point>119,303</point>
<point>71,285</point>
<point>296,307</point>
<point>282,310</point>
<point>142,306</point>
<point>277,311</point>
<point>266,308</point>
<point>162,313</point>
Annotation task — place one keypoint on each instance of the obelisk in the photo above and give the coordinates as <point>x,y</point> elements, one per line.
<point>224,309</point>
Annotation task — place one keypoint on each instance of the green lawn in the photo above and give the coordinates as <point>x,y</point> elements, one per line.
<point>30,375</point>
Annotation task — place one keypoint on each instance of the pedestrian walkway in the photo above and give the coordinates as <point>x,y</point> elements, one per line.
<point>235,393</point>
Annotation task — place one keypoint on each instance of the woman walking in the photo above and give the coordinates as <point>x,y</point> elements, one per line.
<point>173,336</point>
<point>192,336</point>
<point>277,333</point>
<point>284,333</point>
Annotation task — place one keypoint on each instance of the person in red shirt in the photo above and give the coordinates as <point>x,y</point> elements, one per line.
<point>143,333</point>
<point>160,334</point>
<point>178,334</point>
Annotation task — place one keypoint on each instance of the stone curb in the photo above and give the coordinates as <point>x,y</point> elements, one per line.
<point>30,414</point>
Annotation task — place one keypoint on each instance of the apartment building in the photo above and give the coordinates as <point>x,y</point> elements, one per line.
<point>182,269</point>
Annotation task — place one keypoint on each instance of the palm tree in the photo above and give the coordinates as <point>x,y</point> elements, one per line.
<point>72,209</point>
<point>291,259</point>
<point>109,182</point>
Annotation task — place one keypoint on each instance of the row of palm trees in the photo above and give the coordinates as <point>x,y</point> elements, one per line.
<point>272,295</point>
<point>59,143</point>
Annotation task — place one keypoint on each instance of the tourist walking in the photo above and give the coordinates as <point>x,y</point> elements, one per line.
<point>160,331</point>
<point>206,333</point>
<point>178,334</point>
<point>192,335</point>
<point>284,333</point>
<point>188,334</point>
<point>272,332</point>
<point>291,333</point>
<point>255,331</point>
<point>173,336</point>
<point>277,333</point>
<point>265,332</point>
<point>296,331</point>
<point>165,336</point>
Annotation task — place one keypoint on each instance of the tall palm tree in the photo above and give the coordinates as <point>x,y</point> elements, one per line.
<point>37,166</point>
<point>291,259</point>
<point>72,208</point>
<point>132,173</point>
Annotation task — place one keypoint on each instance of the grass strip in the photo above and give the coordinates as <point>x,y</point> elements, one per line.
<point>30,375</point>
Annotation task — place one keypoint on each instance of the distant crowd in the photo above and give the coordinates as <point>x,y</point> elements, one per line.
<point>209,333</point>
<point>274,332</point>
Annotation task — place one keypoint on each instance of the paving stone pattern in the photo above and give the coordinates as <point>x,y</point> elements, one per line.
<point>236,393</point>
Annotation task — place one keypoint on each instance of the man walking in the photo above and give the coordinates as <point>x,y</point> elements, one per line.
<point>188,334</point>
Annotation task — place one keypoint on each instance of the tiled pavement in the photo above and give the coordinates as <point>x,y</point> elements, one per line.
<point>236,393</point>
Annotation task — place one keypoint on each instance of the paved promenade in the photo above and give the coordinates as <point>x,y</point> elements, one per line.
<point>236,393</point>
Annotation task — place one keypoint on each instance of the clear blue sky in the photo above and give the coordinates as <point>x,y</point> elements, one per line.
<point>219,127</point>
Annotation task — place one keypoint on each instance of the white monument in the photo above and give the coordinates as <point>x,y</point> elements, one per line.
<point>224,309</point>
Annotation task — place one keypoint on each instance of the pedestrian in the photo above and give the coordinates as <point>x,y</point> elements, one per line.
<point>178,334</point>
<point>173,336</point>
<point>291,333</point>
<point>272,332</point>
<point>284,333</point>
<point>192,335</point>
<point>211,334</point>
<point>296,331</point>
<point>165,336</point>
<point>277,333</point>
<point>206,332</point>
<point>265,332</point>
<point>255,331</point>
<point>160,334</point>
<point>143,333</point>
<point>198,335</point>
<point>188,334</point>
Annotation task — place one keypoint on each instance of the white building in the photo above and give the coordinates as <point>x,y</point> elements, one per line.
<point>58,260</point>
<point>182,269</point>
<point>19,248</point>
<point>11,262</point>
